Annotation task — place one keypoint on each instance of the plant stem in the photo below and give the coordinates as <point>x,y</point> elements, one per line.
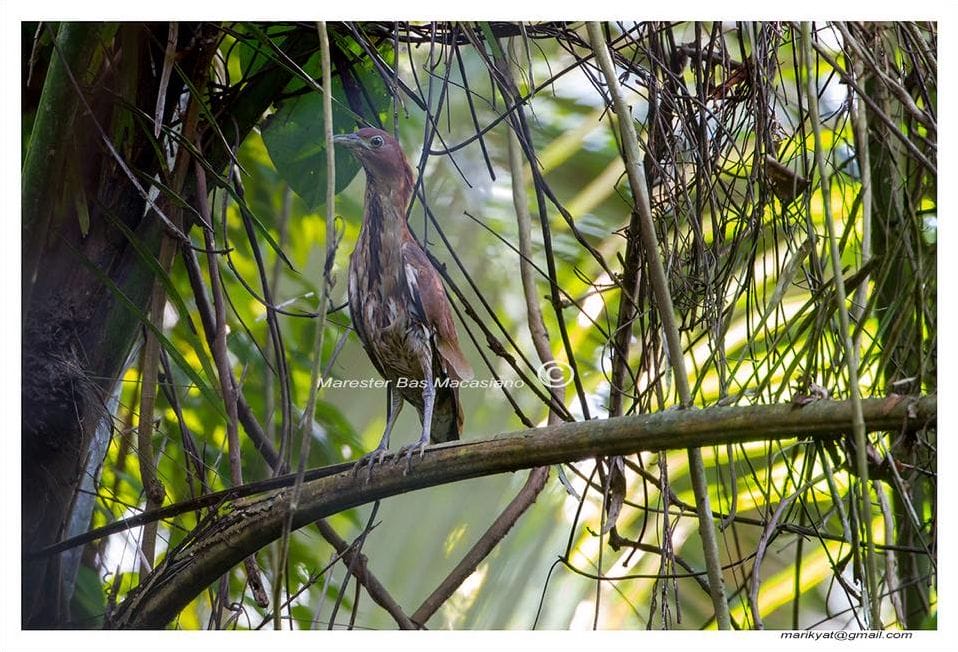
<point>851,352</point>
<point>306,423</point>
<point>663,299</point>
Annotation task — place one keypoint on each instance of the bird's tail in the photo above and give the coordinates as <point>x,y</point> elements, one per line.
<point>446,416</point>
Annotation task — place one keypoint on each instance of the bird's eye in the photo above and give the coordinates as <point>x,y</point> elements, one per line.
<point>376,141</point>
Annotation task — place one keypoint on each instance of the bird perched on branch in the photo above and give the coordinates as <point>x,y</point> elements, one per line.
<point>398,305</point>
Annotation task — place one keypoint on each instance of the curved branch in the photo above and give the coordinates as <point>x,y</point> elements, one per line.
<point>247,525</point>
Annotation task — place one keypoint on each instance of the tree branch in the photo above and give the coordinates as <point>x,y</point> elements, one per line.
<point>485,545</point>
<point>247,525</point>
<point>355,562</point>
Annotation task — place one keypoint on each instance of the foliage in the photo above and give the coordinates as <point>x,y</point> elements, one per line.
<point>741,220</point>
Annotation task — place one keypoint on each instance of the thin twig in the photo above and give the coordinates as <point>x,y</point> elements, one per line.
<point>153,487</point>
<point>354,559</point>
<point>770,529</point>
<point>272,322</point>
<point>359,569</point>
<point>893,128</point>
<point>155,491</point>
<point>221,358</point>
<point>892,578</point>
<point>269,390</point>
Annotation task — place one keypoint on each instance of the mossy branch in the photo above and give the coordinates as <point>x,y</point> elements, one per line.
<point>246,525</point>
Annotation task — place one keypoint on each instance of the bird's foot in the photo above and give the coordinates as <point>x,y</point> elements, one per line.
<point>369,460</point>
<point>407,451</point>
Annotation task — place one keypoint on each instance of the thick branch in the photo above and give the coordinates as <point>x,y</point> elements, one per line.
<point>248,525</point>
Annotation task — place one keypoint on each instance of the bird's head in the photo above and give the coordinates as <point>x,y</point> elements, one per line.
<point>380,154</point>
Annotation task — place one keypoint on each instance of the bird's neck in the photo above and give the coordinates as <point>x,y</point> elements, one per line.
<point>385,210</point>
<point>387,200</point>
<point>384,229</point>
<point>392,184</point>
<point>380,241</point>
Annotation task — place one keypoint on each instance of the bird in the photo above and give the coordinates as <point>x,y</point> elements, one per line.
<point>398,305</point>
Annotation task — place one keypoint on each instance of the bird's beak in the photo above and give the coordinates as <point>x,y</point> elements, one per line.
<point>351,141</point>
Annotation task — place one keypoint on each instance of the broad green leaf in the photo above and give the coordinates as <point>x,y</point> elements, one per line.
<point>253,55</point>
<point>89,601</point>
<point>294,134</point>
<point>294,137</point>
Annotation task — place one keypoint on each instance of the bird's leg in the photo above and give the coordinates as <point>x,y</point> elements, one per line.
<point>394,403</point>
<point>428,400</point>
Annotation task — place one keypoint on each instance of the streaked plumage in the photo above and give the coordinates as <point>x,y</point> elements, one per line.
<point>398,305</point>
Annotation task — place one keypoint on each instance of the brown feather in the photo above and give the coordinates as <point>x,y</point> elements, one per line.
<point>437,310</point>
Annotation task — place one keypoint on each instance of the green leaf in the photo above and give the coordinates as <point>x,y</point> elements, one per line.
<point>303,616</point>
<point>295,140</point>
<point>493,42</point>
<point>253,55</point>
<point>172,294</point>
<point>295,133</point>
<point>74,186</point>
<point>89,602</point>
<point>83,212</point>
<point>339,431</point>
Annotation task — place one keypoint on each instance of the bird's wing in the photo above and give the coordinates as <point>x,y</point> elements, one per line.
<point>426,290</point>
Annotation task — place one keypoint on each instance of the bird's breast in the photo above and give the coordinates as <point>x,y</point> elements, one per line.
<point>384,315</point>
<point>403,348</point>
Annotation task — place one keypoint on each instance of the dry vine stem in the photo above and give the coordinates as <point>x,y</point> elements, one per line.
<point>663,298</point>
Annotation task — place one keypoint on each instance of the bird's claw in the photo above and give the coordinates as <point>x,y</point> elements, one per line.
<point>407,451</point>
<point>369,460</point>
